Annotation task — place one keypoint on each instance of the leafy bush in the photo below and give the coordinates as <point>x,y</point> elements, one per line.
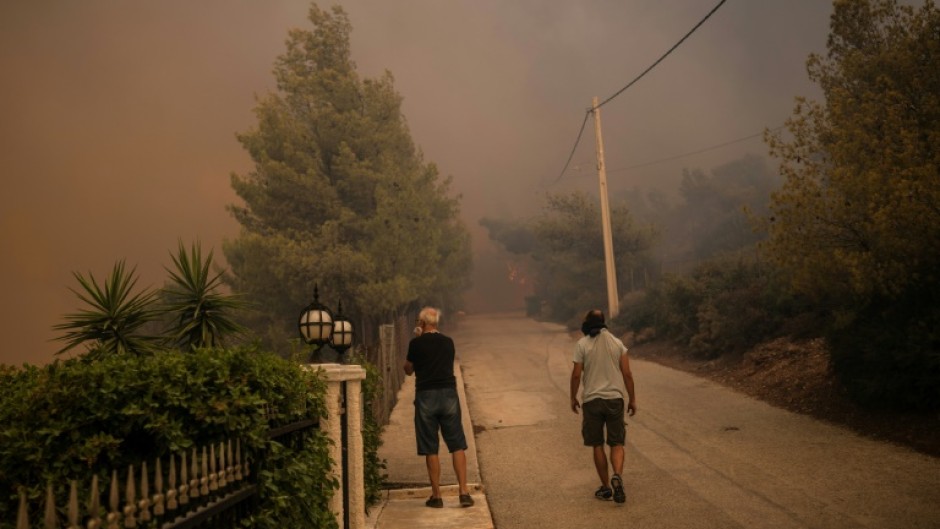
<point>737,311</point>
<point>888,354</point>
<point>670,307</point>
<point>725,305</point>
<point>68,419</point>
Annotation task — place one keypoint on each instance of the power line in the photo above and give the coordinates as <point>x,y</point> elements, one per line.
<point>574,148</point>
<point>692,153</point>
<point>631,83</point>
<point>659,60</point>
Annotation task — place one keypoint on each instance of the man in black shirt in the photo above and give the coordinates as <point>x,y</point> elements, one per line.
<point>437,407</point>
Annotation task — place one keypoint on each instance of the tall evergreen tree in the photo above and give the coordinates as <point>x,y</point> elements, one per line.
<point>339,195</point>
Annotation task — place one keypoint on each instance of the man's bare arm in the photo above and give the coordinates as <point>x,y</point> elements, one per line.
<point>628,381</point>
<point>575,384</point>
<point>409,368</point>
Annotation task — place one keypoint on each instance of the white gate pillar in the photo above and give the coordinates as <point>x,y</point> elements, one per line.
<point>352,375</point>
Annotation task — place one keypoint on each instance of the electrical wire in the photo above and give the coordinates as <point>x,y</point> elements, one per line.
<point>692,153</point>
<point>659,60</point>
<point>631,83</point>
<point>574,148</point>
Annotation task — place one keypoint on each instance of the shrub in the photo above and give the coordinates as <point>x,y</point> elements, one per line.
<point>199,314</point>
<point>670,307</point>
<point>887,354</point>
<point>114,316</point>
<point>68,419</point>
<point>372,433</point>
<point>725,305</point>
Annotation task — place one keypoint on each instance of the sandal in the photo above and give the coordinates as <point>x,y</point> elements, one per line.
<point>604,493</point>
<point>466,500</point>
<point>435,503</point>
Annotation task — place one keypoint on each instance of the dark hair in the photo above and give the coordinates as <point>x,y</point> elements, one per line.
<point>594,317</point>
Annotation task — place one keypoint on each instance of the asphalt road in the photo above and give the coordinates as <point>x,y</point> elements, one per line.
<point>698,455</point>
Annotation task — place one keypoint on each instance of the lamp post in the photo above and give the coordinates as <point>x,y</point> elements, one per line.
<point>332,334</point>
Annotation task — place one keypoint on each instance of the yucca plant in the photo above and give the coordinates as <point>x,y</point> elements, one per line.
<point>200,315</point>
<point>113,321</point>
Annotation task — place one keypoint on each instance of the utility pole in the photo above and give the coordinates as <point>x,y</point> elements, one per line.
<point>613,300</point>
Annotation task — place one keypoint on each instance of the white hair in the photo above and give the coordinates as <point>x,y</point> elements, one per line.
<point>430,315</point>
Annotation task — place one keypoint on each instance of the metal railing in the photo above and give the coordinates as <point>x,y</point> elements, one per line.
<point>208,487</point>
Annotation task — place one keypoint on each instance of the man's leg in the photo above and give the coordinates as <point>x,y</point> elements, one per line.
<point>600,463</point>
<point>616,482</point>
<point>434,474</point>
<point>616,459</point>
<point>452,431</point>
<point>616,436</point>
<point>592,431</point>
<point>460,468</point>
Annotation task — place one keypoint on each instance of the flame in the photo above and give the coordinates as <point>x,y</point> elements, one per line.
<point>515,275</point>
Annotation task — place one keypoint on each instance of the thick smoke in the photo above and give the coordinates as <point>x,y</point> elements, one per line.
<point>119,118</point>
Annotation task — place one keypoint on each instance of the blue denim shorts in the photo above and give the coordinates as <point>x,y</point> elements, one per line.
<point>438,410</point>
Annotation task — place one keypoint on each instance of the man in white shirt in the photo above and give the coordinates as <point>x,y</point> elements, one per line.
<point>601,360</point>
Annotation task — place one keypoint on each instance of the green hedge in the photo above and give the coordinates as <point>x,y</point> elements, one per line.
<point>68,419</point>
<point>374,475</point>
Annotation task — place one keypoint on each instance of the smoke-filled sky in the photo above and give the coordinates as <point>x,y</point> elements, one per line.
<point>118,118</point>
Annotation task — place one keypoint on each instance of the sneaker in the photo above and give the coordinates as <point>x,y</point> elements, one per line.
<point>435,503</point>
<point>619,495</point>
<point>604,493</point>
<point>466,500</point>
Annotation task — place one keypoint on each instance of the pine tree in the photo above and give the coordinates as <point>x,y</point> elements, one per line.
<point>339,195</point>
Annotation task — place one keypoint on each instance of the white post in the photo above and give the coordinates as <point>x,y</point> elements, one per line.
<point>356,480</point>
<point>333,426</point>
<point>613,299</point>
<point>353,375</point>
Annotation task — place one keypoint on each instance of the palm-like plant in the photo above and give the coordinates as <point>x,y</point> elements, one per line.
<point>113,321</point>
<point>200,315</point>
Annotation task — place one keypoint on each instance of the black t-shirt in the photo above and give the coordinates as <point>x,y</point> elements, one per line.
<point>432,355</point>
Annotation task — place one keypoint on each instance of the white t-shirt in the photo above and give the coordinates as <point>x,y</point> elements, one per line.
<point>601,377</point>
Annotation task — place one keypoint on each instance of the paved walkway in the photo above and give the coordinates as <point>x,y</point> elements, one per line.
<point>403,504</point>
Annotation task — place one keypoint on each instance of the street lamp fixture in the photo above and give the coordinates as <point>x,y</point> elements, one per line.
<point>342,331</point>
<point>316,321</point>
<point>331,333</point>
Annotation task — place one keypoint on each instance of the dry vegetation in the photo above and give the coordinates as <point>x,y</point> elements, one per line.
<point>795,376</point>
